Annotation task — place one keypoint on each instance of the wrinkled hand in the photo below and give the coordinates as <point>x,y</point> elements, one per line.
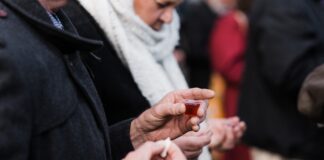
<point>167,118</point>
<point>226,132</point>
<point>152,151</point>
<point>192,143</point>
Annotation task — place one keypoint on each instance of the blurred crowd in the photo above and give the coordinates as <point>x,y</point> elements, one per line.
<point>162,79</point>
<point>268,55</point>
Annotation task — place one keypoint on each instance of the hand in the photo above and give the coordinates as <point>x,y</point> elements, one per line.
<point>152,151</point>
<point>167,118</point>
<point>192,143</point>
<point>227,132</point>
<point>242,21</point>
<point>179,55</point>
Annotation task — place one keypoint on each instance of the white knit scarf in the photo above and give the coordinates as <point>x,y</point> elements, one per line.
<point>147,53</point>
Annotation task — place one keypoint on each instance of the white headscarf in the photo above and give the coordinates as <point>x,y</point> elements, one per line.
<point>147,53</point>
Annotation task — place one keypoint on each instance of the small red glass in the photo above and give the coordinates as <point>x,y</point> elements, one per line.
<point>192,106</point>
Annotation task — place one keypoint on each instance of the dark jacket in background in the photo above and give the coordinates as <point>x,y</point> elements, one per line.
<point>119,93</point>
<point>196,25</point>
<point>284,46</point>
<point>49,108</point>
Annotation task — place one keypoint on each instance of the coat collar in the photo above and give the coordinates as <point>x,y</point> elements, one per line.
<point>36,15</point>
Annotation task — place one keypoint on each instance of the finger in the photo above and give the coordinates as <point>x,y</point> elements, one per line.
<point>240,130</point>
<point>193,124</point>
<point>202,132</point>
<point>193,154</point>
<point>195,134</point>
<point>239,135</point>
<point>194,121</point>
<point>232,121</point>
<point>166,110</point>
<point>243,125</point>
<point>206,139</point>
<point>202,109</point>
<point>177,109</point>
<point>195,128</point>
<point>151,149</point>
<point>174,152</point>
<point>217,139</point>
<point>146,151</point>
<point>218,135</point>
<point>197,143</point>
<point>219,144</point>
<point>239,127</point>
<point>230,139</point>
<point>197,93</point>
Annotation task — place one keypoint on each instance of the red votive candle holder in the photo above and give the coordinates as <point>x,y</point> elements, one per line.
<point>192,106</point>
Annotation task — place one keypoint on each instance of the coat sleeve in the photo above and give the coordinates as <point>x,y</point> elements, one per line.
<point>227,48</point>
<point>15,112</point>
<point>288,44</point>
<point>120,139</point>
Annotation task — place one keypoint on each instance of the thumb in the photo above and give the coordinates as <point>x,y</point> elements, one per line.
<point>175,153</point>
<point>146,151</point>
<point>150,149</point>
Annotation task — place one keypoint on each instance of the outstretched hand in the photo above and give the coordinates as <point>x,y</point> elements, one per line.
<point>167,118</point>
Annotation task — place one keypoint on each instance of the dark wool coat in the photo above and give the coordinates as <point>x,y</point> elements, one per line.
<point>285,45</point>
<point>49,107</point>
<point>196,25</point>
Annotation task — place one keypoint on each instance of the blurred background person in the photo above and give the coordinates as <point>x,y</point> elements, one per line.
<point>285,45</point>
<point>197,19</point>
<point>227,48</point>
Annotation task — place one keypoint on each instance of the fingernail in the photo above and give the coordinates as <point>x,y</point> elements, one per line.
<point>196,128</point>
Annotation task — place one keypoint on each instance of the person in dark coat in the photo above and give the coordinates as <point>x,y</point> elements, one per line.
<point>49,107</point>
<point>45,90</point>
<point>197,21</point>
<point>285,45</point>
<point>113,80</point>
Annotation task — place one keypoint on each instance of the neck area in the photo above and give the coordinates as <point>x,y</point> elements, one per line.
<point>52,5</point>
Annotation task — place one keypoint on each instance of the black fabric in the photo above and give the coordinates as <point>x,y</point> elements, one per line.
<point>121,144</point>
<point>284,46</point>
<point>49,107</point>
<point>196,25</point>
<point>119,93</point>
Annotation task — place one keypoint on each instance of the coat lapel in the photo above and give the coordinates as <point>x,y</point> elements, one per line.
<point>33,13</point>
